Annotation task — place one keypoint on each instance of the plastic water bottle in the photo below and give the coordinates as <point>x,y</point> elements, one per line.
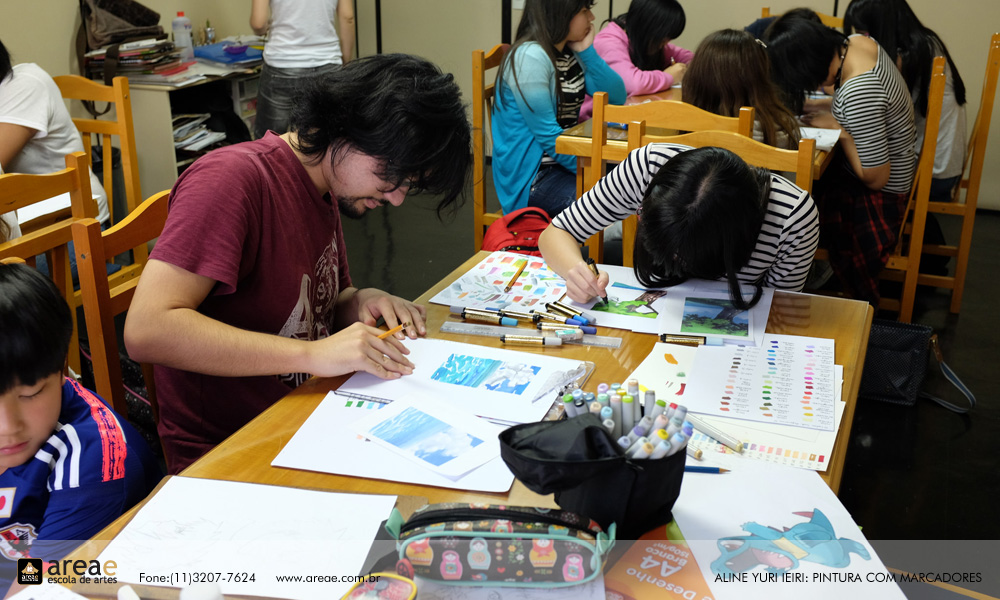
<point>182,36</point>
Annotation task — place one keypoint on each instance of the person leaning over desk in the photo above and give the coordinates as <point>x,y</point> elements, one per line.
<point>703,213</point>
<point>247,292</point>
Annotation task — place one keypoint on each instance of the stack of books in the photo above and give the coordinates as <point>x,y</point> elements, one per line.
<point>144,57</point>
<point>191,133</point>
<point>225,55</point>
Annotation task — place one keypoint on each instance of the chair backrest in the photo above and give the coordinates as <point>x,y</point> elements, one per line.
<point>483,91</point>
<point>976,152</point>
<point>664,114</point>
<point>75,87</point>
<point>17,191</point>
<point>828,20</point>
<point>756,153</point>
<point>905,257</point>
<point>102,301</point>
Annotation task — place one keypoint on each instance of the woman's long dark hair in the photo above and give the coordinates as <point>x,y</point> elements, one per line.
<point>547,23</point>
<point>701,216</point>
<point>893,24</point>
<point>801,51</point>
<point>730,70</point>
<point>5,67</point>
<point>647,23</point>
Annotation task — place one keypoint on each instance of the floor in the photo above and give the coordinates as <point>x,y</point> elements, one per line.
<point>919,473</point>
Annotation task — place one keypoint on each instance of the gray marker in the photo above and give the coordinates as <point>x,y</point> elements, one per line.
<point>649,402</point>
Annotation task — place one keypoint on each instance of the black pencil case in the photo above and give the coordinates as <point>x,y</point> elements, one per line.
<point>578,461</point>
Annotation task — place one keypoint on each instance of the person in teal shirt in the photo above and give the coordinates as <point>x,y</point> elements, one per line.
<point>541,86</point>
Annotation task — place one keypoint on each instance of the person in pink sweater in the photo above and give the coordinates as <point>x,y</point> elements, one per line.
<point>637,46</point>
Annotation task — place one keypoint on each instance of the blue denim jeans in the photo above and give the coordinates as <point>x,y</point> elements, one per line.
<point>276,95</point>
<point>553,190</point>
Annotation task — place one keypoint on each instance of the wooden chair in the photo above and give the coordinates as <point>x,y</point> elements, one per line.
<point>828,20</point>
<point>904,262</point>
<point>103,301</point>
<point>18,191</point>
<point>483,91</point>
<point>972,173</point>
<point>753,152</point>
<point>665,114</point>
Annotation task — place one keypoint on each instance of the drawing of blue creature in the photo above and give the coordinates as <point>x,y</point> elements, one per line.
<point>781,551</point>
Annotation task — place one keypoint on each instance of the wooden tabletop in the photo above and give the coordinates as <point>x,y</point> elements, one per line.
<point>247,454</point>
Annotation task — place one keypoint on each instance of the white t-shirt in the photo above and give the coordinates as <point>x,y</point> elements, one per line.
<point>30,98</point>
<point>302,34</point>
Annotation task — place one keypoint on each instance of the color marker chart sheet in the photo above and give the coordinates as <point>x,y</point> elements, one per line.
<point>483,285</point>
<point>787,380</point>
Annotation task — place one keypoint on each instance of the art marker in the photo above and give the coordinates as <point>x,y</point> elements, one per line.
<point>632,385</point>
<point>543,326</point>
<point>530,340</point>
<point>680,413</point>
<point>486,317</point>
<point>712,432</point>
<point>604,399</point>
<point>615,387</point>
<point>677,441</point>
<point>628,416</point>
<point>669,412</point>
<point>658,409</point>
<point>568,407</point>
<point>593,267</point>
<point>649,403</point>
<point>542,315</point>
<point>694,453</point>
<point>566,334</point>
<point>609,425</point>
<point>661,450</point>
<point>644,451</point>
<point>607,414</point>
<point>580,406</point>
<point>520,316</point>
<point>589,397</point>
<point>646,424</point>
<point>570,315</point>
<point>566,308</point>
<point>623,442</point>
<point>659,435</point>
<point>660,423</point>
<point>616,407</point>
<point>595,408</point>
<point>577,393</point>
<point>602,388</point>
<point>683,340</point>
<point>636,445</point>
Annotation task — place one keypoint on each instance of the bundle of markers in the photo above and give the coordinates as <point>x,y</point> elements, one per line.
<point>646,428</point>
<point>561,322</point>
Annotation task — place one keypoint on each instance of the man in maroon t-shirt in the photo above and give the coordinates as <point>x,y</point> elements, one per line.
<point>247,292</point>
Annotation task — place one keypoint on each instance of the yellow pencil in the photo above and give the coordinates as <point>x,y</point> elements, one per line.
<point>520,270</point>
<point>393,330</point>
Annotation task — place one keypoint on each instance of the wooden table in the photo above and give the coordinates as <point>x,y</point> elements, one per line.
<point>247,454</point>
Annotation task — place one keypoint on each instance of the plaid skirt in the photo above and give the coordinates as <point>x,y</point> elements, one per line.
<point>859,227</point>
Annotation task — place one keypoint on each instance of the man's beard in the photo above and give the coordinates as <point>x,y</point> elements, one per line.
<point>355,208</point>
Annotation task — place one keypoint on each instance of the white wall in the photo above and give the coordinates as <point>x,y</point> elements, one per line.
<point>446,31</point>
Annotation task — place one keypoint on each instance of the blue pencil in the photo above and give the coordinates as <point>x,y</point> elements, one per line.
<point>696,469</point>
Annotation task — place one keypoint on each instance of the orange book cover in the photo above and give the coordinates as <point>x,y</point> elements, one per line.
<point>660,561</point>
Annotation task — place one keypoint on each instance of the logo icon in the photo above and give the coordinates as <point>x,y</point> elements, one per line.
<point>29,571</point>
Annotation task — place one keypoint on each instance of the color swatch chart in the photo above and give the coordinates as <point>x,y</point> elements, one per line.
<point>483,285</point>
<point>788,380</point>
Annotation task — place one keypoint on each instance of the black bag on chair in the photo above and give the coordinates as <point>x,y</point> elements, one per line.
<point>896,363</point>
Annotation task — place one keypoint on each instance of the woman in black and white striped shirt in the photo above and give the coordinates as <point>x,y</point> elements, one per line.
<point>862,199</point>
<point>703,213</point>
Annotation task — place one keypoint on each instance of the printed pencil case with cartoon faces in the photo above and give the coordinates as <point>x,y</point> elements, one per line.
<point>469,544</point>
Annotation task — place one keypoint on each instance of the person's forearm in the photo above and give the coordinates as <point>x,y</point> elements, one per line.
<point>873,178</point>
<point>185,339</point>
<point>560,250</point>
<point>346,308</point>
<point>260,13</point>
<point>347,40</point>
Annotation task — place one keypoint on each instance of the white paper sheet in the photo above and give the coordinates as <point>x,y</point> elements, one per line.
<point>789,380</point>
<point>769,514</point>
<point>489,382</point>
<point>325,443</point>
<point>201,525</point>
<point>643,310</point>
<point>483,285</point>
<point>432,436</point>
<point>826,139</point>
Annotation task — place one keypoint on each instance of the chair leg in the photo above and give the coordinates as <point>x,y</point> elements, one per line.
<point>962,260</point>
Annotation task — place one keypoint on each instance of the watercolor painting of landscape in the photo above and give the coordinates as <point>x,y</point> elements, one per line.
<point>494,375</point>
<point>714,316</point>
<point>421,435</point>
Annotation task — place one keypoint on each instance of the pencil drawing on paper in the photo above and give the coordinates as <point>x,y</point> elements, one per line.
<point>492,374</point>
<point>425,437</point>
<point>630,301</point>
